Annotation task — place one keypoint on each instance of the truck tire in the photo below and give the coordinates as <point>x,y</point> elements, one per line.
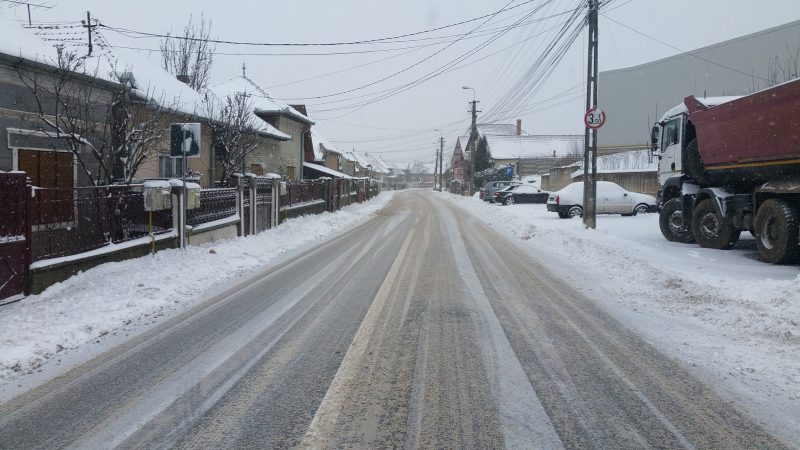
<point>711,230</point>
<point>777,229</point>
<point>670,220</point>
<point>692,164</point>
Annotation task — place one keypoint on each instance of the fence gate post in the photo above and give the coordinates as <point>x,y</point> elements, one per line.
<point>276,201</point>
<point>239,201</point>
<point>178,221</point>
<point>252,185</point>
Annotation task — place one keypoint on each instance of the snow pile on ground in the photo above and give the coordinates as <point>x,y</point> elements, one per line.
<point>726,312</point>
<point>110,297</point>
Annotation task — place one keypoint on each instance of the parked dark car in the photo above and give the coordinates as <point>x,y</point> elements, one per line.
<point>523,193</point>
<point>493,186</point>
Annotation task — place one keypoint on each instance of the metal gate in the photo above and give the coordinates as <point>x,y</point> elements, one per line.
<point>263,204</point>
<point>15,234</point>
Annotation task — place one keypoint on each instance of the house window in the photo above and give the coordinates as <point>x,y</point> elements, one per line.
<point>169,167</point>
<point>256,169</point>
<point>290,172</point>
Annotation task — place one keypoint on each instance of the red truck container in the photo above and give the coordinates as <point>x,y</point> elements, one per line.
<point>739,169</point>
<point>746,141</point>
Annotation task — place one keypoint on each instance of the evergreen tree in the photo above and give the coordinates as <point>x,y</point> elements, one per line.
<point>483,160</point>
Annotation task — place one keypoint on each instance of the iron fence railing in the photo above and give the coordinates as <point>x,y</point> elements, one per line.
<point>215,204</point>
<point>68,221</point>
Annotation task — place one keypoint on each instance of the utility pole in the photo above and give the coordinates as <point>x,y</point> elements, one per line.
<point>441,168</point>
<point>88,25</point>
<point>590,137</point>
<point>474,139</point>
<point>435,169</point>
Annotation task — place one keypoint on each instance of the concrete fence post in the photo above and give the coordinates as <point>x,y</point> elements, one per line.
<point>236,178</point>
<point>251,192</point>
<point>276,202</point>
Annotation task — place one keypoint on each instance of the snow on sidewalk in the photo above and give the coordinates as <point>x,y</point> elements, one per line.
<point>726,313</point>
<point>113,297</point>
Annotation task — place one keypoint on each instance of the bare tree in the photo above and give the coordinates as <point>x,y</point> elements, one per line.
<point>234,131</point>
<point>189,56</point>
<point>110,133</point>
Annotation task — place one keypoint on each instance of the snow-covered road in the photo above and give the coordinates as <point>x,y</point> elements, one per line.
<point>733,318</point>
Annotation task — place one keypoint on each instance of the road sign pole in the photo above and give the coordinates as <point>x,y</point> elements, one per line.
<point>184,197</point>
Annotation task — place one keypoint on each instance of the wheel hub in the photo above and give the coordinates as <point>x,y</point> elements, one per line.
<point>676,222</point>
<point>769,233</point>
<point>709,225</point>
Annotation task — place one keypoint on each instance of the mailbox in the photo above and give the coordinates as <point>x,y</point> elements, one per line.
<point>283,188</point>
<point>192,192</point>
<point>156,195</point>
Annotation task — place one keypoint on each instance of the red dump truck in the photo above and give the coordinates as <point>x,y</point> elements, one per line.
<point>732,164</point>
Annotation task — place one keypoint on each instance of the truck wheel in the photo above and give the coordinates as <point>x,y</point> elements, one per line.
<point>693,165</point>
<point>710,230</point>
<point>776,228</point>
<point>670,219</point>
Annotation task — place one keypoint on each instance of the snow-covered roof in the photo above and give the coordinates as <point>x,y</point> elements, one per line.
<point>377,166</point>
<point>262,101</point>
<point>353,156</point>
<point>232,88</point>
<point>320,142</point>
<point>325,170</point>
<point>532,146</point>
<point>496,129</point>
<point>149,81</point>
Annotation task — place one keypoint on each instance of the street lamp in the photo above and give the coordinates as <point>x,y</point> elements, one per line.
<point>472,89</point>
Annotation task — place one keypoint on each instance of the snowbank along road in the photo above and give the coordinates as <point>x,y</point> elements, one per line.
<point>419,328</point>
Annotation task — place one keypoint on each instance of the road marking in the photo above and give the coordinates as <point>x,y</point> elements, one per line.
<point>324,422</point>
<point>523,419</point>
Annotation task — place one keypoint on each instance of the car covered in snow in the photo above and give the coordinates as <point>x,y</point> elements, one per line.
<point>611,199</point>
<point>521,193</point>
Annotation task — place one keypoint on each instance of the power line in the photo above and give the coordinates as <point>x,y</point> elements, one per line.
<point>310,44</point>
<point>750,75</point>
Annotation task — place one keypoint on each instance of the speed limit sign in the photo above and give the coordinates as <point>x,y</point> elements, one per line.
<point>594,118</point>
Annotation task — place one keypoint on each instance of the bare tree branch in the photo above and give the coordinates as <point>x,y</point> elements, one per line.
<point>190,56</point>
<point>234,131</point>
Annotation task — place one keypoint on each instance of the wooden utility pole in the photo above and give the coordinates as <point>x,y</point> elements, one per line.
<point>590,137</point>
<point>88,25</point>
<point>441,168</point>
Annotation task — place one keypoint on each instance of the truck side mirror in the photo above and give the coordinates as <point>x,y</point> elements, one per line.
<point>654,135</point>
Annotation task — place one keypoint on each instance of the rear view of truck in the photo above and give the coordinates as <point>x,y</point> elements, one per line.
<point>734,166</point>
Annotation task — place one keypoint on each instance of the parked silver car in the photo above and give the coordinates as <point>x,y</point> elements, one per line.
<point>494,186</point>
<point>611,199</point>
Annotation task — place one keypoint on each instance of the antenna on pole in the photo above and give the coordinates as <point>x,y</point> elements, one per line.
<point>244,70</point>
<point>29,5</point>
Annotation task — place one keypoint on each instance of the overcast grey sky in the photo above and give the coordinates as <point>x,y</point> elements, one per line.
<point>401,127</point>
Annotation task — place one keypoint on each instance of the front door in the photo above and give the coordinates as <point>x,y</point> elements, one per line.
<point>670,164</point>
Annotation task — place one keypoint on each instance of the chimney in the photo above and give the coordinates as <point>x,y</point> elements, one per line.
<point>183,78</point>
<point>519,127</point>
